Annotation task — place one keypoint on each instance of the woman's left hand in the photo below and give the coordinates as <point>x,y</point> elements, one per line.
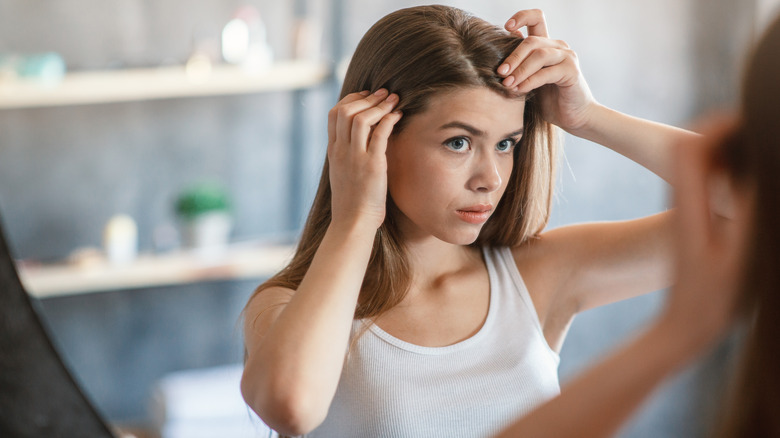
<point>714,218</point>
<point>551,66</point>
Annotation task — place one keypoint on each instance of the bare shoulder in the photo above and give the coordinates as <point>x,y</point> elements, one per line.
<point>263,308</point>
<point>568,248</point>
<point>539,264</point>
<point>540,256</point>
<point>549,259</point>
<point>577,267</point>
<point>552,258</point>
<point>535,250</point>
<point>591,264</point>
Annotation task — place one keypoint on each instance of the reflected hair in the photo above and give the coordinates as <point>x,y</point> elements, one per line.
<point>752,154</point>
<point>419,53</point>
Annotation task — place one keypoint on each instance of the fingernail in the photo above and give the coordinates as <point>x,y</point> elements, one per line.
<point>380,92</point>
<point>393,98</point>
<point>398,112</point>
<point>509,81</point>
<point>510,24</point>
<point>504,69</point>
<point>365,93</point>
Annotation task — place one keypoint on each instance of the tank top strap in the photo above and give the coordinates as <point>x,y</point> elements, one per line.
<point>512,290</point>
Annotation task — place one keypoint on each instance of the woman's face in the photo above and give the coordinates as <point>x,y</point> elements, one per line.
<point>449,166</point>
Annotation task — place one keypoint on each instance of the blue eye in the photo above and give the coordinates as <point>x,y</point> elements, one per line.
<point>506,144</point>
<point>457,143</point>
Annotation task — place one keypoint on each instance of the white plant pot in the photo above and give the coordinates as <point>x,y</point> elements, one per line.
<point>209,233</point>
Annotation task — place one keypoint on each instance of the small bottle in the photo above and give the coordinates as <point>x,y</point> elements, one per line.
<point>120,240</point>
<point>244,41</point>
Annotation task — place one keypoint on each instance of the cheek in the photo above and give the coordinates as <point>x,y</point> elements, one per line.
<point>404,165</point>
<point>398,170</point>
<point>394,164</point>
<point>407,177</point>
<point>416,185</point>
<point>506,169</point>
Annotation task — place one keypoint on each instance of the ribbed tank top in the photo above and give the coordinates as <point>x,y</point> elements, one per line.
<point>474,388</point>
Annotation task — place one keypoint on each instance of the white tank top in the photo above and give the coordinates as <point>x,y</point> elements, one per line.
<point>474,388</point>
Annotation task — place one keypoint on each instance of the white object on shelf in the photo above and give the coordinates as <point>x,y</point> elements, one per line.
<point>40,69</point>
<point>244,40</point>
<point>204,403</point>
<point>120,240</point>
<point>160,83</point>
<point>237,262</point>
<point>208,234</point>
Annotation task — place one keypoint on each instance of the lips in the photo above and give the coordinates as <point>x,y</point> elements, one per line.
<point>475,214</point>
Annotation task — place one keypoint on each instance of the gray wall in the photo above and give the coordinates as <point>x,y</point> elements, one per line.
<point>65,171</point>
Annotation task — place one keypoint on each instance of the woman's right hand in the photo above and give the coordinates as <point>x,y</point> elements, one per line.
<point>295,352</point>
<point>359,127</point>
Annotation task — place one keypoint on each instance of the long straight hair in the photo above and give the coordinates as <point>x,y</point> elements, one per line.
<point>418,53</point>
<point>753,156</point>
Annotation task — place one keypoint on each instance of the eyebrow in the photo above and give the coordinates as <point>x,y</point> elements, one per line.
<point>474,131</point>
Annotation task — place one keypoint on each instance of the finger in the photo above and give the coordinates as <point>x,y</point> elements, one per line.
<point>333,113</point>
<point>342,113</point>
<point>351,97</point>
<point>363,122</point>
<point>533,19</point>
<point>382,131</point>
<point>347,111</point>
<point>524,49</point>
<point>535,61</point>
<point>561,74</point>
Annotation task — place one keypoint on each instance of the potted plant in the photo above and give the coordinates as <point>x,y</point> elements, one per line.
<point>206,216</point>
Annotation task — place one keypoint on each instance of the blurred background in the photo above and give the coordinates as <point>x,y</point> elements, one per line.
<point>67,168</point>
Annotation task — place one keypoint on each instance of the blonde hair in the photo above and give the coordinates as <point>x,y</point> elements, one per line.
<point>417,53</point>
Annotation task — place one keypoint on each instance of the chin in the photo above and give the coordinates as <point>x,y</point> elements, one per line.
<point>461,237</point>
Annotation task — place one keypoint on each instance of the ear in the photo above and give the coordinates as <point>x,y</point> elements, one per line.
<point>729,201</point>
<point>722,193</point>
<point>730,204</point>
<point>727,196</point>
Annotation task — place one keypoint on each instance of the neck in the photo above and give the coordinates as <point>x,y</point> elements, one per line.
<point>430,259</point>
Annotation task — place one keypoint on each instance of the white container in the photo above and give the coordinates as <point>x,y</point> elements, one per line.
<point>120,240</point>
<point>208,233</point>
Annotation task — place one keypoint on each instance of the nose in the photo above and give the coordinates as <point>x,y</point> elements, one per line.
<point>485,174</point>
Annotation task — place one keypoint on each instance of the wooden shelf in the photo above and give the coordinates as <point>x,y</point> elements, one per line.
<point>160,83</point>
<point>183,267</point>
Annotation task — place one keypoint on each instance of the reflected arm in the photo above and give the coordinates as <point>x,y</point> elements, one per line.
<point>599,401</point>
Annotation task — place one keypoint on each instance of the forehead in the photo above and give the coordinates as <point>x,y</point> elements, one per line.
<point>480,107</point>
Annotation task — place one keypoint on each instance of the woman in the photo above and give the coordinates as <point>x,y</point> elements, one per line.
<point>728,253</point>
<point>423,299</point>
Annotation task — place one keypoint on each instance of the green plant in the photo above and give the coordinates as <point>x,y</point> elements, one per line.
<point>200,199</point>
